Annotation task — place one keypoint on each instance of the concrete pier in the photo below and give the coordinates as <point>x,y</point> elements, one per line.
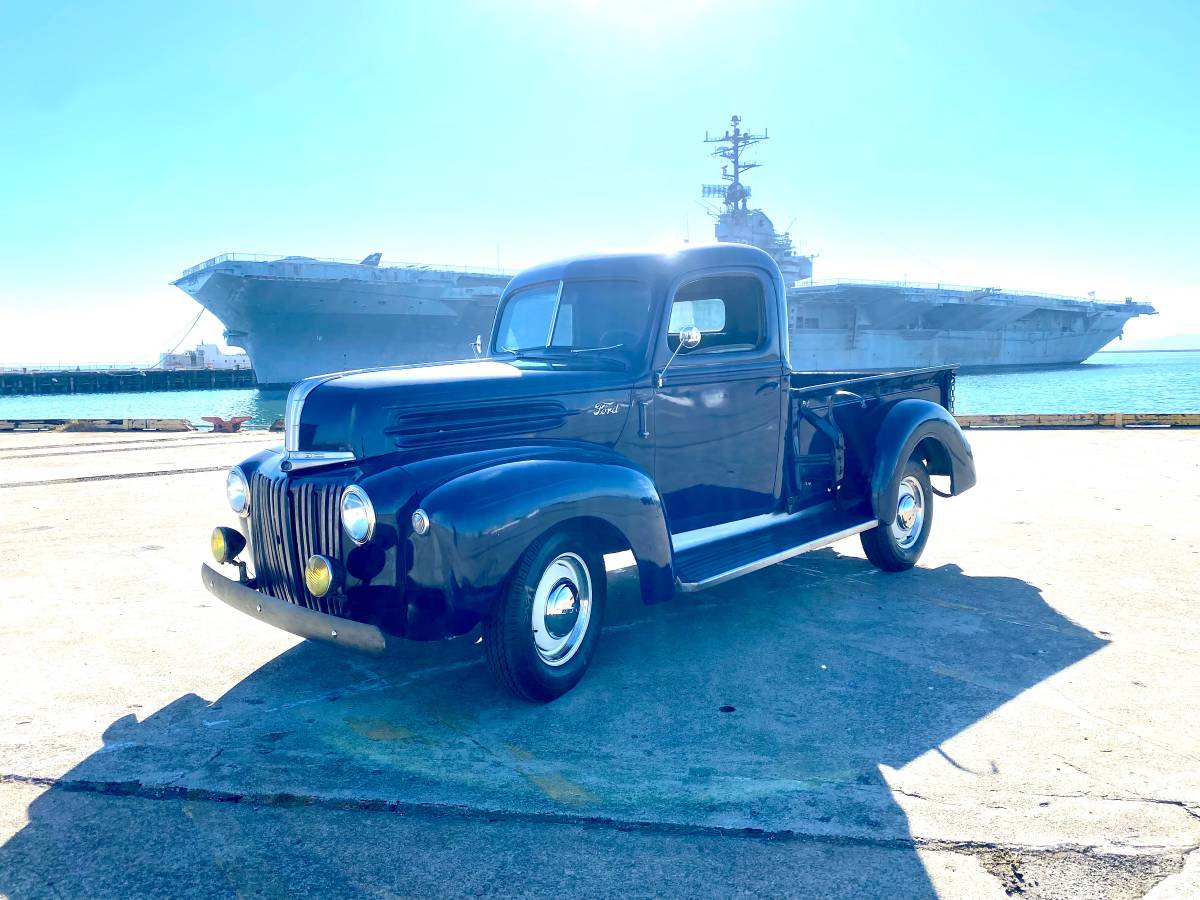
<point>1020,715</point>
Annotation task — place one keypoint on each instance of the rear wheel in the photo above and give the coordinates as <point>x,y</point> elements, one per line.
<point>541,636</point>
<point>898,546</point>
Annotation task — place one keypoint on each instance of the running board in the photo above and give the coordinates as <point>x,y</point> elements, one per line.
<point>720,561</point>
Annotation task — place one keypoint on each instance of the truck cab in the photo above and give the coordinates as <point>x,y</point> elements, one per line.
<point>640,402</point>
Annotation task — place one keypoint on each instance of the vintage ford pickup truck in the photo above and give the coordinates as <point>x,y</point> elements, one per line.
<point>640,402</point>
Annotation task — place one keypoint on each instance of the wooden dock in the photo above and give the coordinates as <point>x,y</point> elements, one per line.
<point>107,381</point>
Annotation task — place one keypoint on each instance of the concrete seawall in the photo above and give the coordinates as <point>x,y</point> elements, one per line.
<point>107,381</point>
<point>1019,714</point>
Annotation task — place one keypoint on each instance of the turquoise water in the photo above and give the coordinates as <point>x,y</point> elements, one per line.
<point>1108,382</point>
<point>264,407</point>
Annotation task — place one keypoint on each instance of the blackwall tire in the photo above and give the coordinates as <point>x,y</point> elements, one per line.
<point>539,639</point>
<point>897,547</point>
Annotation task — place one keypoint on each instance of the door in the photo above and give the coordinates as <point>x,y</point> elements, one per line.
<point>717,414</point>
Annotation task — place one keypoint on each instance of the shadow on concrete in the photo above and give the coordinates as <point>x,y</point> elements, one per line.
<point>761,710</point>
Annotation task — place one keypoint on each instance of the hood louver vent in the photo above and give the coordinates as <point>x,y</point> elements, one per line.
<point>428,428</point>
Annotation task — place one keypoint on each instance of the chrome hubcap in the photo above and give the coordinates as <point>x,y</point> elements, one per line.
<point>910,513</point>
<point>562,609</point>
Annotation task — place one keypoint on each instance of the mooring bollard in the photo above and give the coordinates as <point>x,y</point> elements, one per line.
<point>226,426</point>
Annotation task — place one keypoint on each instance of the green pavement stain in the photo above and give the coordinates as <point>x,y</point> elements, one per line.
<point>379,730</point>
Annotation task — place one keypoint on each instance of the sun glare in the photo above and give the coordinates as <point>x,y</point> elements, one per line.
<point>642,14</point>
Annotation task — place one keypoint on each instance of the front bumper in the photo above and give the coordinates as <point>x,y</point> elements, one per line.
<point>306,623</point>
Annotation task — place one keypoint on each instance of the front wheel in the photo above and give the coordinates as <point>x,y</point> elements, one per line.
<point>541,636</point>
<point>898,546</point>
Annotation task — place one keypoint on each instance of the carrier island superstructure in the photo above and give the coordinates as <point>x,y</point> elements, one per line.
<point>298,316</point>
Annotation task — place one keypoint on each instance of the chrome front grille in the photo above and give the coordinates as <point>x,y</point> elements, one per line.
<point>291,520</point>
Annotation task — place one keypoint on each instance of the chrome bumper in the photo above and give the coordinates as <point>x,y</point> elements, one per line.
<point>306,623</point>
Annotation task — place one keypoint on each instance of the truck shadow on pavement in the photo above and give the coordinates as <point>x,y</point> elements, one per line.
<point>762,710</point>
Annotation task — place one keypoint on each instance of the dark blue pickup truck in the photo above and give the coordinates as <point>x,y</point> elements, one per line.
<point>639,402</point>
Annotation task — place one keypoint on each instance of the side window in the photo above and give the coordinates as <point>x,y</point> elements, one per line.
<point>708,315</point>
<point>729,310</point>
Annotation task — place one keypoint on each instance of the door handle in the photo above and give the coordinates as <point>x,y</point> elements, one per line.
<point>840,392</point>
<point>643,418</point>
<point>769,386</point>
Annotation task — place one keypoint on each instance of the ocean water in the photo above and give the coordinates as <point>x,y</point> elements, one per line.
<point>1147,381</point>
<point>263,407</point>
<point>1108,382</point>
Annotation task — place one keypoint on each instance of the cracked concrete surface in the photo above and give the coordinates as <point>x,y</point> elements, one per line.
<point>1017,717</point>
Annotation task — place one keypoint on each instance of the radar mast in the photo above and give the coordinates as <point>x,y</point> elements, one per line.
<point>732,144</point>
<point>738,223</point>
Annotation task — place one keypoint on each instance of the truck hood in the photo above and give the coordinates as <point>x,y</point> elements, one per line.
<point>371,413</point>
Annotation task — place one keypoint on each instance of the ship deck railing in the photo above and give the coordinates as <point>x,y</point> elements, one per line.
<point>964,289</point>
<point>382,264</point>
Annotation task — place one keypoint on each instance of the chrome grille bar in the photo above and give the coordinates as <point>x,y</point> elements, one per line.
<point>291,521</point>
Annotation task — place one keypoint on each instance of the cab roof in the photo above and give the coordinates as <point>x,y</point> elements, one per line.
<point>659,268</point>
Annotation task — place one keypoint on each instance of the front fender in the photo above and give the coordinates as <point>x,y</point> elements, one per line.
<point>908,427</point>
<point>482,521</point>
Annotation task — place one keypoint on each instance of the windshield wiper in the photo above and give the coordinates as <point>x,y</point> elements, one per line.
<point>561,350</point>
<point>557,351</point>
<point>596,349</point>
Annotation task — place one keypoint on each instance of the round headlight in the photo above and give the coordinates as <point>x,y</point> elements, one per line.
<point>226,544</point>
<point>238,492</point>
<point>358,515</point>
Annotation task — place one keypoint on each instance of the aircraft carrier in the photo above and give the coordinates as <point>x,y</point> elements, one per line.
<point>298,316</point>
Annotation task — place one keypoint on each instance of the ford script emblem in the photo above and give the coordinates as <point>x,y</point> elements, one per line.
<point>606,408</point>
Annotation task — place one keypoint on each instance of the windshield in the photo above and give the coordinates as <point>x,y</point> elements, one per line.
<point>602,318</point>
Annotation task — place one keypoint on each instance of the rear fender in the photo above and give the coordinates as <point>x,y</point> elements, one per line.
<point>927,430</point>
<point>482,521</point>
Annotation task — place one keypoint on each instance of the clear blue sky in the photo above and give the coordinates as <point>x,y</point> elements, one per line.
<point>1049,146</point>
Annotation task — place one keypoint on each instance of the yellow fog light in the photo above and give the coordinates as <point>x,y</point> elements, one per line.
<point>226,544</point>
<point>318,575</point>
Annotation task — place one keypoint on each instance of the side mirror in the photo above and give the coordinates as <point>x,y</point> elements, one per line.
<point>689,339</point>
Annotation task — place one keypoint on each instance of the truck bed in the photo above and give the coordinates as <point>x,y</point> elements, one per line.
<point>936,384</point>
<point>834,423</point>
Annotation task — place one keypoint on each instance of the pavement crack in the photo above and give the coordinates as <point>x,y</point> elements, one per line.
<point>1118,725</point>
<point>1087,774</point>
<point>1187,807</point>
<point>913,795</point>
<point>134,789</point>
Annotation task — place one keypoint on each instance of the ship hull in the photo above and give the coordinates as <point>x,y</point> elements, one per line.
<point>877,327</point>
<point>297,318</point>
<point>345,317</point>
<point>889,351</point>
